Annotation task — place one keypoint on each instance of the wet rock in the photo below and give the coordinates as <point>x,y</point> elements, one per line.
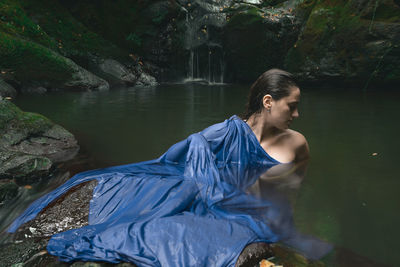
<point>253,253</point>
<point>34,90</point>
<point>280,255</point>
<point>8,190</point>
<point>146,80</point>
<point>118,71</point>
<point>35,65</point>
<point>69,211</point>
<point>56,143</point>
<point>24,168</point>
<point>84,80</point>
<point>20,252</point>
<point>30,144</point>
<point>7,90</point>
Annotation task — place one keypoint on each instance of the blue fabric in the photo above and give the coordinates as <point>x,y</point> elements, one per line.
<point>187,208</point>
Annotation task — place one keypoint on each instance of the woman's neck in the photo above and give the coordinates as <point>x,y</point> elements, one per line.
<point>261,128</point>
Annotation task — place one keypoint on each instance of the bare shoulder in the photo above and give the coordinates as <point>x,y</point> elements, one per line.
<point>300,144</point>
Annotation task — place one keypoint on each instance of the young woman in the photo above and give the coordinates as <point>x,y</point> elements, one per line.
<point>191,206</point>
<point>272,106</point>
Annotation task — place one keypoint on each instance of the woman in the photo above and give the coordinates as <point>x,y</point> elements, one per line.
<point>272,106</point>
<point>191,206</point>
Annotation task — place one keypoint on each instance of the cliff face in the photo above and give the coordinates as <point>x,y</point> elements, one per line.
<point>71,44</point>
<point>355,41</point>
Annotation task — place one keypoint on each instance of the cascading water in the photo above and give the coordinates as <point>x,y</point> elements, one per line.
<point>204,20</point>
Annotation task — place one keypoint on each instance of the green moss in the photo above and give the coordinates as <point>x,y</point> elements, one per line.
<point>35,122</point>
<point>383,11</point>
<point>331,25</point>
<point>8,111</point>
<point>70,35</point>
<point>14,21</point>
<point>31,61</point>
<point>243,19</point>
<point>15,124</point>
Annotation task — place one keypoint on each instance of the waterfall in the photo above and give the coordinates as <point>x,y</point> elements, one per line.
<point>204,21</point>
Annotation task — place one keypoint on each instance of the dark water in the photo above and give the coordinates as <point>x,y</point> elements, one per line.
<point>350,197</point>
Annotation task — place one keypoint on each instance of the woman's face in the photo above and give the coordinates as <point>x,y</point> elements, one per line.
<point>284,110</point>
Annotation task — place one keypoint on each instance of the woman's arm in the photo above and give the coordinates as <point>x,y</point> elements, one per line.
<point>302,156</point>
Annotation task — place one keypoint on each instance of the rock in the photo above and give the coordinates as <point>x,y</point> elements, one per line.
<point>8,190</point>
<point>118,71</point>
<point>45,68</point>
<point>7,90</point>
<point>25,169</point>
<point>84,80</point>
<point>146,80</point>
<point>349,41</point>
<point>256,39</point>
<point>69,211</point>
<point>56,143</point>
<point>34,90</point>
<point>30,144</point>
<point>253,253</point>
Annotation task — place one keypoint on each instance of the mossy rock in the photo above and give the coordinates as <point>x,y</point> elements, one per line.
<point>71,37</point>
<point>30,144</point>
<point>15,125</point>
<point>31,61</point>
<point>16,22</point>
<point>355,41</point>
<point>7,90</point>
<point>25,169</point>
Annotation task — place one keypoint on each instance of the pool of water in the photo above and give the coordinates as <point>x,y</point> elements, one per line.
<point>351,193</point>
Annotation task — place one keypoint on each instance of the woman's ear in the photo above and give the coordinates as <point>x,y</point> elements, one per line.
<point>267,100</point>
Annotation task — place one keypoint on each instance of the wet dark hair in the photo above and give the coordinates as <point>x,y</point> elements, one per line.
<point>275,82</point>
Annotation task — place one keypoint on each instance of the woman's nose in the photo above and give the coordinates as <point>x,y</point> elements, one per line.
<point>295,113</point>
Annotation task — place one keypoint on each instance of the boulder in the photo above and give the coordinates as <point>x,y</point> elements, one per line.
<point>117,71</point>
<point>30,144</point>
<point>7,90</point>
<point>84,80</point>
<point>145,79</point>
<point>46,68</point>
<point>23,168</point>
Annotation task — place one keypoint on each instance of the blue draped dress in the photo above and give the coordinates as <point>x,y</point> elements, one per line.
<point>187,208</point>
